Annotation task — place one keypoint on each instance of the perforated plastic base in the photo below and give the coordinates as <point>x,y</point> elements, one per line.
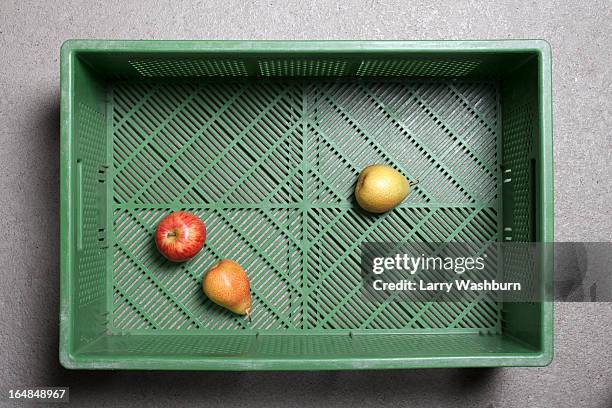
<point>270,165</point>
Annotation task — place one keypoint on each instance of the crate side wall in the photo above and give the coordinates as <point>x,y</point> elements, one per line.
<point>521,161</point>
<point>90,192</point>
<point>330,59</point>
<point>286,351</point>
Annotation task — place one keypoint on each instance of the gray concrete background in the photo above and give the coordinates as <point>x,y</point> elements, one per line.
<point>31,33</point>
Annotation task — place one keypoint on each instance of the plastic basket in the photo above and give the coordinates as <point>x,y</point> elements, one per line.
<point>264,141</point>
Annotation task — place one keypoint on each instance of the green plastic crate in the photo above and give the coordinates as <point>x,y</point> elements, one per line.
<point>264,141</point>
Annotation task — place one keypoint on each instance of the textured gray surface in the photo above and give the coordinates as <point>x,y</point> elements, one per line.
<point>31,33</point>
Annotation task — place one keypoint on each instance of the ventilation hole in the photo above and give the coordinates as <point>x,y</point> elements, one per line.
<point>189,67</point>
<point>302,68</point>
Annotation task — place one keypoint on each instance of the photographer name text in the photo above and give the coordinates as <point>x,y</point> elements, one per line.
<point>459,284</point>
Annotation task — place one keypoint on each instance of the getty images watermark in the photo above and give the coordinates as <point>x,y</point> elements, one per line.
<point>413,264</point>
<point>496,271</point>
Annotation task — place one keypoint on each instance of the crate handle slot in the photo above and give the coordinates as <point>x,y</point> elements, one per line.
<point>533,192</point>
<point>79,204</point>
<point>101,205</point>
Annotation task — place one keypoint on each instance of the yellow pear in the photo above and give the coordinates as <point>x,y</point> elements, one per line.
<point>381,188</point>
<point>227,284</point>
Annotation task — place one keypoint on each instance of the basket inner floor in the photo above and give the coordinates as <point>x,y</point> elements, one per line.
<point>270,166</point>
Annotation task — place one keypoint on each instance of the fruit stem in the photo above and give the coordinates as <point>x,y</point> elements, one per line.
<point>413,183</point>
<point>171,234</point>
<point>248,315</point>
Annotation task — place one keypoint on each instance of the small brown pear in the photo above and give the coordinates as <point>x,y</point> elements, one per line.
<point>227,284</point>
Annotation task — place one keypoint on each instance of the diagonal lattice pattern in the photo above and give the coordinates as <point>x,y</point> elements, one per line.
<point>335,251</point>
<point>167,296</point>
<point>270,166</point>
<point>430,132</point>
<point>185,143</point>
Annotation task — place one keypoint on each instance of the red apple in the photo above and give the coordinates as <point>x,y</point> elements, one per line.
<point>180,236</point>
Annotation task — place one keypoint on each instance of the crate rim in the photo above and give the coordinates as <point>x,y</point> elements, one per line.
<point>539,46</point>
